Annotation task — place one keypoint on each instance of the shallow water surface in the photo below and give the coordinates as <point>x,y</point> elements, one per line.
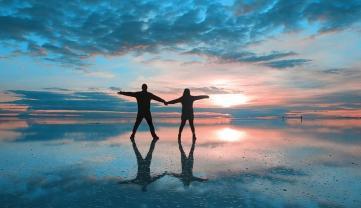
<point>233,163</point>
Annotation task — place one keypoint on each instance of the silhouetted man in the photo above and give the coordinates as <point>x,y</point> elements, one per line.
<point>186,176</point>
<point>143,177</point>
<point>143,99</point>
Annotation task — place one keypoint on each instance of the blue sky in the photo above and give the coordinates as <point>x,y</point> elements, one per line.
<point>273,52</point>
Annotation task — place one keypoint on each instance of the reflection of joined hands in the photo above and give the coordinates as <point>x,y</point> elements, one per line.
<point>165,103</point>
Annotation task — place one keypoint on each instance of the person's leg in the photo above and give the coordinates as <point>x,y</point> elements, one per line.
<point>136,125</point>
<point>149,120</point>
<point>191,123</point>
<point>183,122</point>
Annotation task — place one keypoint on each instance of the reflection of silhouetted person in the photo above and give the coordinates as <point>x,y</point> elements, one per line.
<point>187,165</point>
<point>143,99</point>
<point>187,109</point>
<point>143,177</point>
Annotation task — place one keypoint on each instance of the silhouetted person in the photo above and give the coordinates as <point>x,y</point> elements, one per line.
<point>187,109</point>
<point>143,99</point>
<point>186,176</point>
<point>143,177</point>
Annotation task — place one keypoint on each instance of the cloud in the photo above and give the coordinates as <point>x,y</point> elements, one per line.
<point>115,88</point>
<point>333,71</point>
<point>347,97</point>
<point>70,33</point>
<point>341,103</point>
<point>214,90</point>
<point>248,7</point>
<point>84,101</point>
<point>240,56</point>
<point>56,89</point>
<point>100,74</point>
<point>206,90</point>
<point>334,15</point>
<point>269,59</point>
<point>281,64</point>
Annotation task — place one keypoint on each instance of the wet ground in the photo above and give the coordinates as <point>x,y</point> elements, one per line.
<point>233,163</point>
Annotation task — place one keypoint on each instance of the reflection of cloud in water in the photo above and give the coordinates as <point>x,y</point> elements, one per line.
<point>77,132</point>
<point>9,129</point>
<point>75,186</point>
<point>326,123</point>
<point>274,165</point>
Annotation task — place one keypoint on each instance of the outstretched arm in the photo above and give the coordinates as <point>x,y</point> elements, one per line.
<point>158,177</point>
<point>126,181</point>
<point>154,97</point>
<point>200,97</point>
<point>199,179</point>
<point>178,100</point>
<point>177,175</point>
<point>131,94</point>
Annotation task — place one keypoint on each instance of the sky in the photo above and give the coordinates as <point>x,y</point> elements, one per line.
<point>295,55</point>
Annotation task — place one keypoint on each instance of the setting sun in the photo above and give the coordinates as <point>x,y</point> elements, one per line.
<point>228,100</point>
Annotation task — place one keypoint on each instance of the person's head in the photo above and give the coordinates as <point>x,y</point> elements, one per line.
<point>186,92</point>
<point>144,87</point>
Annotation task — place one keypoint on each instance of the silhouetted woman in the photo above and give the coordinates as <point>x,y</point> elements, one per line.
<point>187,109</point>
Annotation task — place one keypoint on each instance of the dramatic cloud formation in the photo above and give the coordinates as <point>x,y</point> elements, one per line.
<point>71,32</point>
<point>270,52</point>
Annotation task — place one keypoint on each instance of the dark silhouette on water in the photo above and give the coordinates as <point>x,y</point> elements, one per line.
<point>186,176</point>
<point>143,177</point>
<point>187,109</point>
<point>143,99</point>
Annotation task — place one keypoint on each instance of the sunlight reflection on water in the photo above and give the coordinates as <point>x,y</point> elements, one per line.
<point>269,163</point>
<point>230,135</point>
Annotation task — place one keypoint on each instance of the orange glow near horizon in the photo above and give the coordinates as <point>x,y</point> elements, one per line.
<point>229,100</point>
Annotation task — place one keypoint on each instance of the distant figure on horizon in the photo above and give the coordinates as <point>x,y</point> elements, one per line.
<point>186,176</point>
<point>143,99</point>
<point>187,109</point>
<point>143,177</point>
